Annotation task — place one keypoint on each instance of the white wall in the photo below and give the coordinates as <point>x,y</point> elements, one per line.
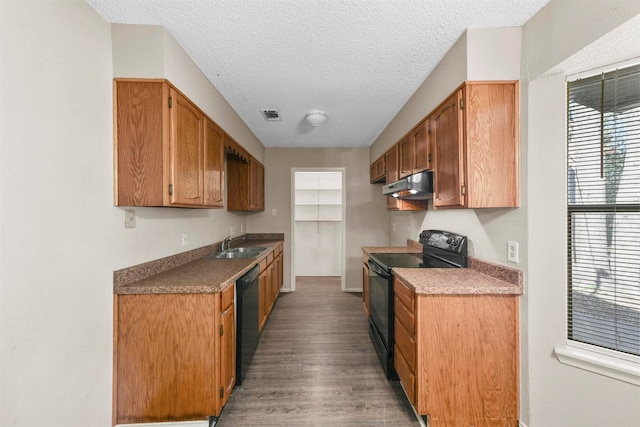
<point>62,238</point>
<point>558,395</point>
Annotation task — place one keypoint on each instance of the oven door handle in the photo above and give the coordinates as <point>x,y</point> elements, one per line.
<point>373,266</point>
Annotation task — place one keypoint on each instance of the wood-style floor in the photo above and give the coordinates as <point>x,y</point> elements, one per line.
<point>316,366</point>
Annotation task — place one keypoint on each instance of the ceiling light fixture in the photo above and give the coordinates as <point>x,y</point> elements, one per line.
<point>316,118</point>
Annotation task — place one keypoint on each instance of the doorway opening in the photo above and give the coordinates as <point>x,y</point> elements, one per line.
<point>318,225</point>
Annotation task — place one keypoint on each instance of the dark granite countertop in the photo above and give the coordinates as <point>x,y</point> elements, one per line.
<point>481,277</point>
<point>193,271</point>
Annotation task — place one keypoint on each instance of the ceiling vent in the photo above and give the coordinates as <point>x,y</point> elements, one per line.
<point>271,115</point>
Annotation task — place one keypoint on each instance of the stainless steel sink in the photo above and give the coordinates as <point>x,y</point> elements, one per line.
<point>247,252</point>
<point>249,249</point>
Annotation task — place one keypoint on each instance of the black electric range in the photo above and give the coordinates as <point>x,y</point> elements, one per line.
<point>440,249</point>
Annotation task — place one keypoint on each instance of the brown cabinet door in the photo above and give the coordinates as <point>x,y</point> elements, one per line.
<point>165,357</point>
<point>405,157</point>
<point>377,171</point>
<point>213,165</point>
<point>139,140</point>
<point>447,139</point>
<point>185,152</point>
<point>365,287</point>
<point>421,149</point>
<point>227,353</point>
<point>391,159</point>
<point>256,185</point>
<point>263,298</point>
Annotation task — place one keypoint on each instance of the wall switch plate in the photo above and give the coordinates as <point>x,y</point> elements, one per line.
<point>512,251</point>
<point>273,212</point>
<point>185,239</point>
<point>233,229</point>
<point>129,218</point>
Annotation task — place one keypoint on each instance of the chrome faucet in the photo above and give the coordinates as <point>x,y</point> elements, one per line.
<point>226,244</point>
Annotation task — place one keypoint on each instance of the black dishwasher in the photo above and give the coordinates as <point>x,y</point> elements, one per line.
<point>247,321</point>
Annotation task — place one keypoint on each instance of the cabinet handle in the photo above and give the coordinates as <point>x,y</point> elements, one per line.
<point>221,391</point>
<point>171,189</point>
<point>221,330</point>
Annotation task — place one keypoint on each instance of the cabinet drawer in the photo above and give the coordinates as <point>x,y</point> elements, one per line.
<point>226,298</point>
<point>406,317</point>
<point>404,294</point>
<point>263,265</point>
<point>406,375</point>
<point>406,344</point>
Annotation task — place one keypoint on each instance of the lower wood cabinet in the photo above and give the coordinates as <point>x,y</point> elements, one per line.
<point>271,275</point>
<point>457,356</point>
<point>365,283</point>
<point>174,356</point>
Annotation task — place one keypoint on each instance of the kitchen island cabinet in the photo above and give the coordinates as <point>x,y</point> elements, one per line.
<point>457,356</point>
<point>167,152</point>
<point>174,356</point>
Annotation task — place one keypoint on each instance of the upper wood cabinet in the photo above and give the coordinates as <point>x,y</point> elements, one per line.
<point>377,171</point>
<point>414,151</point>
<point>167,152</point>
<point>447,136</point>
<point>213,165</point>
<point>474,134</point>
<point>256,185</point>
<point>245,184</point>
<point>421,147</point>
<point>405,157</point>
<point>471,143</point>
<point>393,204</point>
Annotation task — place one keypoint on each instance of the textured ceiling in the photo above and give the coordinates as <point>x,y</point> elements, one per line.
<point>357,60</point>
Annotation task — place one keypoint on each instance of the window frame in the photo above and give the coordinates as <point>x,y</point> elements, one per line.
<point>614,364</point>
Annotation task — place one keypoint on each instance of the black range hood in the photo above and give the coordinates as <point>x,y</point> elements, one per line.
<point>418,186</point>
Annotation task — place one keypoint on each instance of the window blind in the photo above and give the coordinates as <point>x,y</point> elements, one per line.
<point>603,177</point>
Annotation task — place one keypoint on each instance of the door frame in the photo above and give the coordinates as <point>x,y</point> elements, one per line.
<point>343,222</point>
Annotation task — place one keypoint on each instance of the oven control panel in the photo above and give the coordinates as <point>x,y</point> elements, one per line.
<point>444,240</point>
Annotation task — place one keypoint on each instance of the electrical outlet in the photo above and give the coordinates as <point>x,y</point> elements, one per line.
<point>393,227</point>
<point>129,218</point>
<point>242,228</point>
<point>233,229</point>
<point>512,251</point>
<point>273,212</point>
<point>185,239</point>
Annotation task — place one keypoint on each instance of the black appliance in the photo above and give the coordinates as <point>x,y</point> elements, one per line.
<point>247,334</point>
<point>440,249</point>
